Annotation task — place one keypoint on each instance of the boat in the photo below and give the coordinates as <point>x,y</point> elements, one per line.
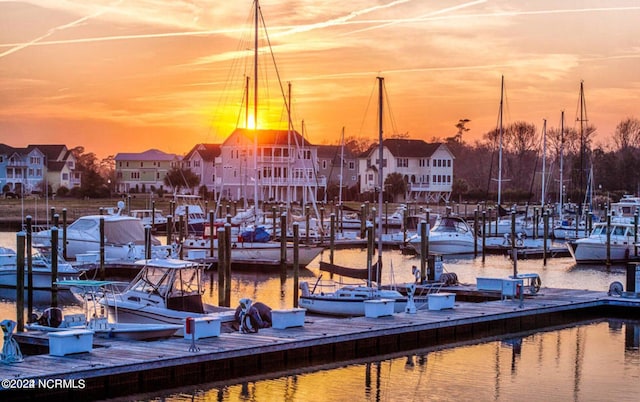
<point>152,217</point>
<point>91,291</point>
<point>593,249</point>
<point>164,291</point>
<point>40,269</point>
<point>191,209</point>
<point>627,206</point>
<point>242,251</point>
<point>124,236</point>
<point>450,235</point>
<point>349,300</point>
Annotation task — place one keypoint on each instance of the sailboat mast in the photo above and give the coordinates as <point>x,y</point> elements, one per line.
<point>341,167</point>
<point>582,140</point>
<point>544,158</point>
<point>500,153</point>
<point>255,107</point>
<point>380,175</point>
<point>561,163</point>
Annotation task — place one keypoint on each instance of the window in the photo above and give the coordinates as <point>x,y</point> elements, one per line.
<point>401,162</point>
<point>65,176</point>
<point>448,162</point>
<point>30,172</point>
<point>196,163</point>
<point>370,177</point>
<point>353,178</point>
<point>141,164</point>
<point>384,162</point>
<point>135,175</point>
<point>324,164</point>
<point>352,165</point>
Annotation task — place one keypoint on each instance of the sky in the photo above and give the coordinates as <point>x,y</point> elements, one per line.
<point>127,76</point>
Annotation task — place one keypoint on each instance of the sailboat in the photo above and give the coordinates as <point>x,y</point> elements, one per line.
<point>350,300</point>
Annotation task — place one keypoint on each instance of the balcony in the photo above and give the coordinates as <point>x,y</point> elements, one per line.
<point>283,181</point>
<point>418,187</point>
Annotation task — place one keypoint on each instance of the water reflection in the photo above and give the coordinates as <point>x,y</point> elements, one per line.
<point>583,362</point>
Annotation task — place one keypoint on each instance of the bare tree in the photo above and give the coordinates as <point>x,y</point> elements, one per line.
<point>627,134</point>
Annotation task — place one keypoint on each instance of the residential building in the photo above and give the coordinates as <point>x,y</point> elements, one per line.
<point>426,168</point>
<point>203,160</point>
<point>283,168</point>
<point>143,172</point>
<point>333,161</point>
<point>22,170</point>
<point>61,167</point>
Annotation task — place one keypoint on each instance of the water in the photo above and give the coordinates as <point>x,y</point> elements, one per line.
<point>592,361</point>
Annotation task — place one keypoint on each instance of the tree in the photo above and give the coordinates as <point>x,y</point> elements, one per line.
<point>94,185</point>
<point>357,145</point>
<point>180,177</point>
<point>395,185</point>
<point>627,134</point>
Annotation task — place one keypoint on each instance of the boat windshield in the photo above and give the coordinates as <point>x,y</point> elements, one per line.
<point>153,279</point>
<point>84,225</point>
<point>186,281</point>
<point>450,225</point>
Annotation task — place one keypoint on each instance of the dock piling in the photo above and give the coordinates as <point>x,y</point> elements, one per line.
<point>20,240</point>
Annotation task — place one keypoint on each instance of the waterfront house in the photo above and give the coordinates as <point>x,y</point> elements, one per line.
<point>284,168</point>
<point>426,168</point>
<point>330,158</point>
<point>204,161</point>
<point>61,167</point>
<point>22,170</point>
<point>144,171</point>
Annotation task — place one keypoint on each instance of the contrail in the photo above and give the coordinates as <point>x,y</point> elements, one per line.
<point>54,30</point>
<point>442,11</point>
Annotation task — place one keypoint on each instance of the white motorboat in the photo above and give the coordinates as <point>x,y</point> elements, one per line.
<point>164,291</point>
<point>122,235</point>
<point>153,218</point>
<point>40,269</point>
<point>593,249</point>
<point>450,235</point>
<point>91,291</point>
<point>348,300</point>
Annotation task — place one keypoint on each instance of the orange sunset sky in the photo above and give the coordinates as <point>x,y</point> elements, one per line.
<point>126,76</point>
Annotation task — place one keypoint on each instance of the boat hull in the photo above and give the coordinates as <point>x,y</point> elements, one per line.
<point>588,251</point>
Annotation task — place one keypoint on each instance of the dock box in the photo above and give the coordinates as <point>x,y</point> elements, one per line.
<point>287,318</point>
<point>196,254</point>
<point>67,342</point>
<point>483,283</point>
<point>378,308</point>
<point>89,258</point>
<point>203,327</point>
<point>440,301</point>
<point>511,288</point>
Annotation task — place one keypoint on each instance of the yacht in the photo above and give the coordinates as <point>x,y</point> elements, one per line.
<point>593,249</point>
<point>449,235</point>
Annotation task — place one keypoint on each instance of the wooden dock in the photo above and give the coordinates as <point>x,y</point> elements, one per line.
<point>117,368</point>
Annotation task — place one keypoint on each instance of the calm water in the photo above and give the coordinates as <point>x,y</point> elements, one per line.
<point>593,361</point>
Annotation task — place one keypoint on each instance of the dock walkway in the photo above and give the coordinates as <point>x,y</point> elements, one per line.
<point>116,368</point>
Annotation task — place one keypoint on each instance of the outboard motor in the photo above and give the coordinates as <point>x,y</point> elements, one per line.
<point>51,317</point>
<point>304,287</point>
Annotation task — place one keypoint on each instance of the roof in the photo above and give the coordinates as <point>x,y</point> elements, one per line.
<point>401,147</point>
<point>333,152</point>
<point>208,152</point>
<point>272,137</point>
<point>148,155</point>
<point>56,166</point>
<point>53,152</point>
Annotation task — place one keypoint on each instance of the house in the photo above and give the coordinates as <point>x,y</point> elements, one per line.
<point>61,166</point>
<point>143,172</point>
<point>22,170</point>
<point>329,166</point>
<point>272,165</point>
<point>426,168</point>
<point>204,161</point>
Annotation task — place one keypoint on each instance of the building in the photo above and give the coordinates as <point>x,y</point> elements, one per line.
<point>284,168</point>
<point>204,161</point>
<point>61,167</point>
<point>426,168</point>
<point>37,169</point>
<point>143,172</point>
<point>329,167</point>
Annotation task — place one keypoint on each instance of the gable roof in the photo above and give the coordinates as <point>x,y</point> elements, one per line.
<point>208,152</point>
<point>53,152</point>
<point>56,166</point>
<point>271,137</point>
<point>406,148</point>
<point>148,155</point>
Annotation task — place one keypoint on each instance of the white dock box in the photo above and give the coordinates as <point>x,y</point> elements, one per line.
<point>204,327</point>
<point>196,254</point>
<point>483,283</point>
<point>73,341</point>
<point>378,308</point>
<point>440,301</point>
<point>510,287</point>
<point>287,318</point>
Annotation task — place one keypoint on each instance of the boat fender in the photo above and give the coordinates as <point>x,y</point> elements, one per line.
<point>615,289</point>
<point>189,325</point>
<point>51,317</point>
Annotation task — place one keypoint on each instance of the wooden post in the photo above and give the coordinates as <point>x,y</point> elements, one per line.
<point>54,266</point>
<point>635,234</point>
<point>153,215</point>
<point>332,237</point>
<point>102,274</point>
<point>283,244</point>
<point>484,234</point>
<point>20,239</point>
<point>180,233</point>
<point>307,217</point>
<point>424,241</point>
<point>29,284</point>
<point>514,251</point>
<point>369,253</point>
<point>64,233</point>
<point>475,232</point>
<point>52,214</point>
<point>221,267</point>
<point>147,242</point>
<point>535,223</point>
<point>228,261</point>
<point>186,222</point>
<point>211,233</point>
<point>608,262</point>
<point>296,265</point>
<point>386,217</point>
<point>363,220</point>
<point>321,225</point>
<point>169,230</point>
<point>545,236</point>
